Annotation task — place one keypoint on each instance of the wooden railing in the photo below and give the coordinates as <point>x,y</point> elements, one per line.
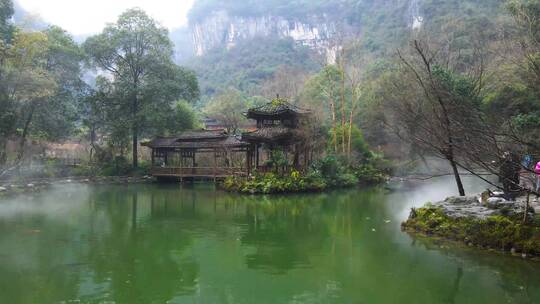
<point>198,171</point>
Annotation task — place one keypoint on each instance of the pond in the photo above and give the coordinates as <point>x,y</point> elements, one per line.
<point>193,244</point>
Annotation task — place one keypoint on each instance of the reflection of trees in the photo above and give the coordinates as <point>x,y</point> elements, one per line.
<point>284,233</point>
<point>177,238</point>
<point>514,277</point>
<point>142,263</point>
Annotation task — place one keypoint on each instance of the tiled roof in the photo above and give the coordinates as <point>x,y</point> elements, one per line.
<point>196,140</point>
<point>276,107</point>
<point>269,134</point>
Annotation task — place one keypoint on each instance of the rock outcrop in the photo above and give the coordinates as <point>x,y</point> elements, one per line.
<point>222,30</point>
<point>471,206</point>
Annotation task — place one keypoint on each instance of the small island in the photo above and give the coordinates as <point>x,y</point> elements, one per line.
<point>481,221</point>
<point>278,155</point>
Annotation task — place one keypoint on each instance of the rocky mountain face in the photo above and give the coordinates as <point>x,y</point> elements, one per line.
<point>223,30</point>
<point>319,31</point>
<point>241,43</point>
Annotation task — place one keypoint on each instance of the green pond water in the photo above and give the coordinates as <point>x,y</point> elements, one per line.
<point>193,244</point>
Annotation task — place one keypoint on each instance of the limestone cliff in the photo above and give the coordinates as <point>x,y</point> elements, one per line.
<point>222,30</point>
<point>317,30</point>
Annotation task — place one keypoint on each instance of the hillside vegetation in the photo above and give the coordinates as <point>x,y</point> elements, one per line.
<point>380,27</point>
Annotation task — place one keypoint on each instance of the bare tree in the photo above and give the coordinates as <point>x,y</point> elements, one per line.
<point>287,82</point>
<point>228,108</point>
<point>434,106</point>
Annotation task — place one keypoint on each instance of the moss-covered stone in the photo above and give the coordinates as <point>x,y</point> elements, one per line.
<point>497,232</point>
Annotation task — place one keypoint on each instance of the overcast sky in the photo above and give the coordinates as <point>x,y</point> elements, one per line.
<point>83,17</point>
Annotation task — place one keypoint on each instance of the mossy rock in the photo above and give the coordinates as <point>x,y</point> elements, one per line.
<point>499,232</point>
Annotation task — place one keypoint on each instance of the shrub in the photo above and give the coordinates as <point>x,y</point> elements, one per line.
<point>314,181</point>
<point>367,173</point>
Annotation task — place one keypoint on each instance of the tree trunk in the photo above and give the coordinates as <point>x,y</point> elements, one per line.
<point>351,116</point>
<point>343,109</point>
<point>92,143</point>
<point>135,130</point>
<point>527,204</point>
<point>25,133</point>
<point>135,145</point>
<point>3,151</point>
<point>334,125</point>
<point>457,177</point>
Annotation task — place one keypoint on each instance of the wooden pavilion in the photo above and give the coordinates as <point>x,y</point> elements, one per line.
<point>280,126</point>
<point>216,154</point>
<point>199,154</point>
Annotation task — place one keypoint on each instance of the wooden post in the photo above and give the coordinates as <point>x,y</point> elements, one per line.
<point>248,159</point>
<point>215,164</point>
<point>257,161</point>
<point>296,161</point>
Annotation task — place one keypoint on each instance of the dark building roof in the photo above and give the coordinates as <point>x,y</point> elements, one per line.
<point>202,139</point>
<point>270,134</point>
<point>212,124</point>
<point>277,107</point>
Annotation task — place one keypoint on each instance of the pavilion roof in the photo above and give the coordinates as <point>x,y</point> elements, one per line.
<point>199,139</point>
<point>276,107</point>
<point>271,134</point>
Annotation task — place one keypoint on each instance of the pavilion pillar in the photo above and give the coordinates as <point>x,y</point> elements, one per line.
<point>215,164</point>
<point>296,161</point>
<point>257,156</point>
<point>152,164</point>
<point>249,158</point>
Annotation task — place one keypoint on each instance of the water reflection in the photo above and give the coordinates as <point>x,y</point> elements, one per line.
<point>157,244</point>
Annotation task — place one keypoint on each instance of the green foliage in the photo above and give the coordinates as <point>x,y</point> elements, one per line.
<point>526,13</point>
<point>327,173</point>
<point>510,100</point>
<point>250,8</point>
<point>277,160</point>
<point>6,28</point>
<point>273,183</point>
<point>228,107</point>
<point>323,88</point>
<point>246,66</point>
<point>460,87</point>
<point>180,117</point>
<point>359,146</point>
<point>370,174</point>
<point>120,166</point>
<point>41,70</point>
<point>145,82</point>
<point>499,232</point>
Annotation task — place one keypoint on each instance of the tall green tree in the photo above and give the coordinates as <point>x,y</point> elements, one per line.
<point>137,53</point>
<point>6,108</point>
<point>27,81</point>
<point>6,28</point>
